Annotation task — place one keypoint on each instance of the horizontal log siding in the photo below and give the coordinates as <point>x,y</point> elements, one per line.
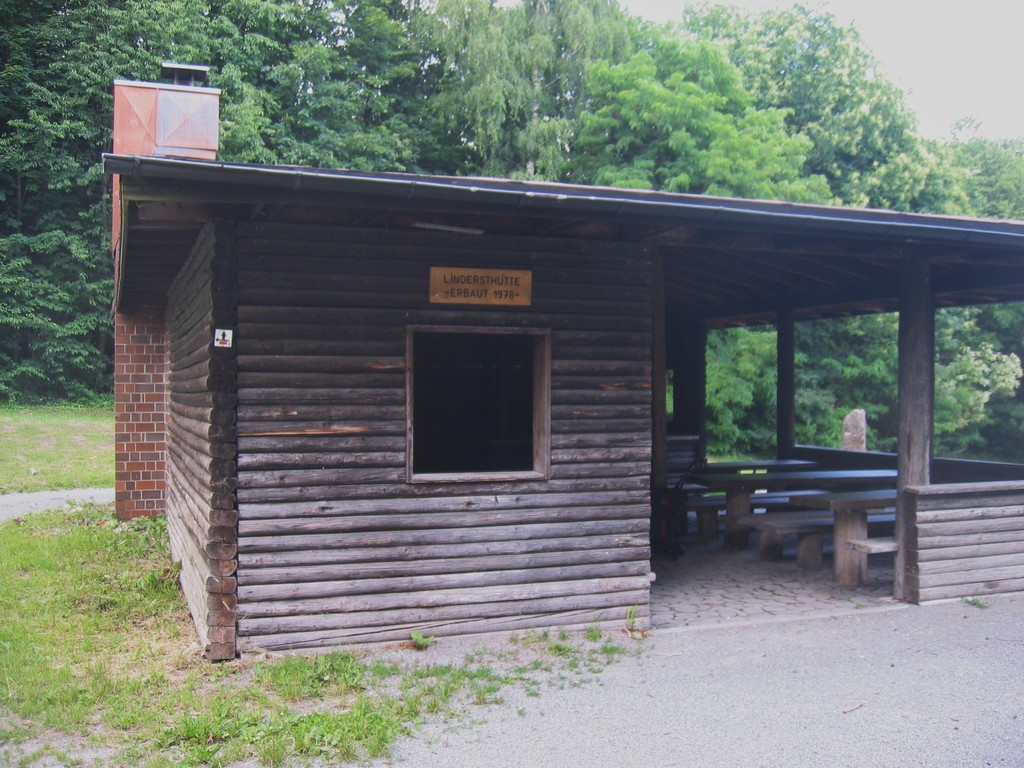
<point>201,517</point>
<point>966,540</point>
<point>335,546</point>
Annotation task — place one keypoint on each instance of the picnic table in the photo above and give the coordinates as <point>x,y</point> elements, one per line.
<point>851,510</point>
<point>757,465</point>
<point>740,486</point>
<point>706,504</point>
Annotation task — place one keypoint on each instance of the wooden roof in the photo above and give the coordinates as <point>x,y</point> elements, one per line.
<point>727,261</point>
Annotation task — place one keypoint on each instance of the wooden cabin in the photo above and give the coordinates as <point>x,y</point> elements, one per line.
<point>376,403</point>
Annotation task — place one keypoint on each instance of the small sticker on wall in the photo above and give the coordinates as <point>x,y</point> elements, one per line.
<point>222,337</point>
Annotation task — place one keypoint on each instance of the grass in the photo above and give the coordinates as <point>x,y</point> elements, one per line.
<point>99,665</point>
<point>55,447</point>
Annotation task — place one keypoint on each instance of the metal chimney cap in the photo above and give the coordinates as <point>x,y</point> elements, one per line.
<point>183,74</point>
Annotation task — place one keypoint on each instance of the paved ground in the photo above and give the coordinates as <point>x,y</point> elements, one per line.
<point>758,664</point>
<point>709,586</point>
<point>17,504</point>
<point>935,686</point>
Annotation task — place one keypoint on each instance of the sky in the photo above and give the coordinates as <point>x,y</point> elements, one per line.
<point>953,58</point>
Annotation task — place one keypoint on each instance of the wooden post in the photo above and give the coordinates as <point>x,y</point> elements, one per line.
<point>916,397</point>
<point>675,361</point>
<point>785,401</point>
<point>737,504</point>
<point>659,418</point>
<point>688,358</point>
<point>851,566</point>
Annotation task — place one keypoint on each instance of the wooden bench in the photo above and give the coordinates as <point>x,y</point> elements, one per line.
<point>854,511</point>
<point>707,507</point>
<point>874,546</point>
<point>810,526</point>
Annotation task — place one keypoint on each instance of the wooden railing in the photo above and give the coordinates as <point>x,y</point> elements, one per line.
<point>963,540</point>
<point>943,470</point>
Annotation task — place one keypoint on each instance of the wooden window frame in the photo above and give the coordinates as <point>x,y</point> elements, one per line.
<point>541,407</point>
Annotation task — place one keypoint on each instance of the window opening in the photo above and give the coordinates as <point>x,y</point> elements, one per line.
<point>478,403</point>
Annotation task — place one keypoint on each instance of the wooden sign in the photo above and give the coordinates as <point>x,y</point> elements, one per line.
<point>489,287</point>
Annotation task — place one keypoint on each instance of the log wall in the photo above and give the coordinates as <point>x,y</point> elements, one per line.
<point>335,546</point>
<point>201,515</point>
<point>964,540</point>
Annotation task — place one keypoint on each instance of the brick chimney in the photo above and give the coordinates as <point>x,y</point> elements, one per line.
<point>175,119</point>
<point>178,118</point>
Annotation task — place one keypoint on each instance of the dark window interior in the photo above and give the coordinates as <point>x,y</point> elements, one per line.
<point>473,402</point>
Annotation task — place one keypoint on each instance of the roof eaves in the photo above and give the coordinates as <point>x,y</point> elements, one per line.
<point>602,201</point>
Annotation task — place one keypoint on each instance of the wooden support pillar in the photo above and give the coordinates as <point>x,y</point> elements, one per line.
<point>687,357</point>
<point>916,374</point>
<point>785,401</point>
<point>659,418</point>
<point>916,396</point>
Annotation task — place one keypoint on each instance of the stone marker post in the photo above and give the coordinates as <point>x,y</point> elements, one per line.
<point>855,430</point>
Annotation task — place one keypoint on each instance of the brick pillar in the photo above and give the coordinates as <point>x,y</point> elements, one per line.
<point>140,408</point>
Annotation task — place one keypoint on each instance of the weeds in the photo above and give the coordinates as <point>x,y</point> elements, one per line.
<point>631,628</point>
<point>297,678</point>
<point>420,641</point>
<point>561,647</point>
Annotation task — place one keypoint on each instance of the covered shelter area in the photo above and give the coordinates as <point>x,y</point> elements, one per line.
<point>377,403</point>
<point>957,529</point>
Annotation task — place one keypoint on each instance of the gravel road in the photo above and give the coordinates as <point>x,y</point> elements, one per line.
<point>17,504</point>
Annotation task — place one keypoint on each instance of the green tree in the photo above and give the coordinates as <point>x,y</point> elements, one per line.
<point>864,139</point>
<point>675,117</point>
<point>849,363</point>
<point>993,174</point>
<point>970,373</point>
<point>512,79</point>
<point>304,81</point>
<point>842,364</point>
<point>741,392</point>
<point>56,64</point>
<point>978,408</point>
<point>316,83</point>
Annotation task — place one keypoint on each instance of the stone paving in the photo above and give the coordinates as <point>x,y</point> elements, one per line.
<point>710,585</point>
